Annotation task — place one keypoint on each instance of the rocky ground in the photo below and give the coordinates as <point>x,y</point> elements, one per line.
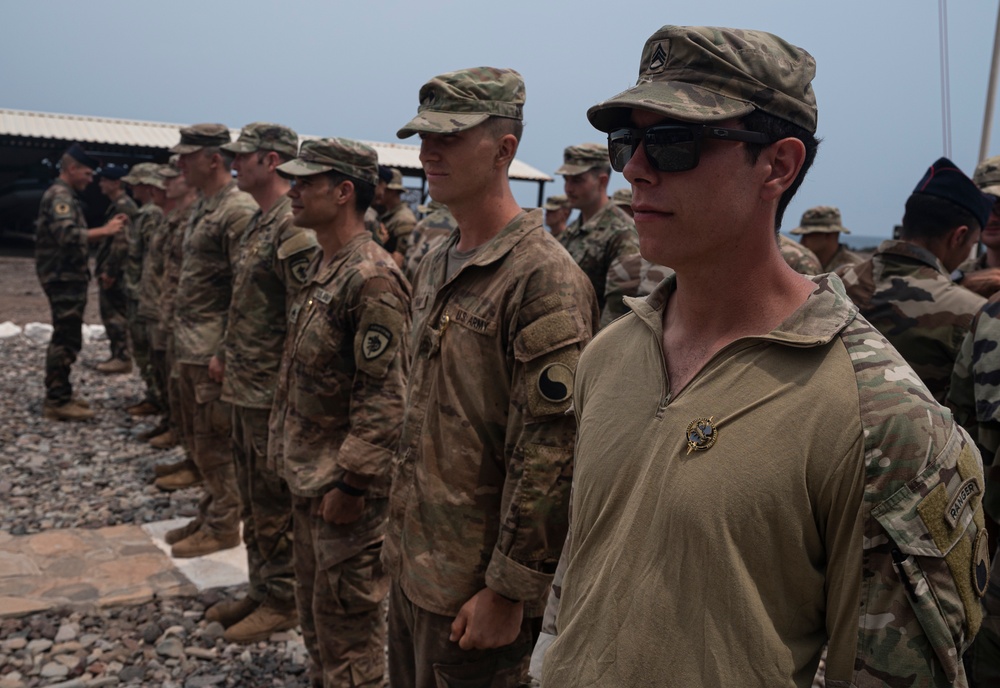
<point>88,475</point>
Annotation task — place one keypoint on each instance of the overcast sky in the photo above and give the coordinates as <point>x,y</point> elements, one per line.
<point>354,69</point>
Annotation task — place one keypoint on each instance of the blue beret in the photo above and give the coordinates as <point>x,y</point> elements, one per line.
<point>112,172</point>
<point>946,181</point>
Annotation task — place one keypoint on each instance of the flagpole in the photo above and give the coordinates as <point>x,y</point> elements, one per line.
<point>984,146</point>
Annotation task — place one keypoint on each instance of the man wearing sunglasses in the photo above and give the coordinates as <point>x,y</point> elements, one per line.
<point>758,472</point>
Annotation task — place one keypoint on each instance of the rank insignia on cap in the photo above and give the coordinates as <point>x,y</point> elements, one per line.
<point>555,383</point>
<point>701,434</point>
<point>981,563</point>
<point>377,340</point>
<point>658,60</point>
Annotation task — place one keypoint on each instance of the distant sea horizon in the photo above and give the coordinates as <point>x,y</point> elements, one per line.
<point>856,242</point>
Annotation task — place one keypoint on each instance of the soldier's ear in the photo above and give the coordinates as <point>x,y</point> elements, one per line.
<point>958,236</point>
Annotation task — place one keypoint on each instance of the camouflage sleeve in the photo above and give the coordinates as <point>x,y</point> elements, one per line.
<point>401,235</point>
<point>380,353</point>
<point>541,433</point>
<point>623,276</point>
<point>296,251</point>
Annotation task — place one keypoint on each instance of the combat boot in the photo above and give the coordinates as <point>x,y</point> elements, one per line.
<point>66,411</point>
<point>202,543</point>
<point>80,401</point>
<point>229,612</point>
<point>162,469</point>
<point>185,477</point>
<point>264,621</point>
<point>143,408</point>
<point>167,440</point>
<point>175,535</point>
<point>114,366</point>
<point>147,435</point>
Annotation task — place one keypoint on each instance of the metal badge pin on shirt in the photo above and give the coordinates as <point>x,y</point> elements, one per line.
<point>701,434</point>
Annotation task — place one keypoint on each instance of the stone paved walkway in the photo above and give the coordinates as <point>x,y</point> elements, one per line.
<point>120,565</point>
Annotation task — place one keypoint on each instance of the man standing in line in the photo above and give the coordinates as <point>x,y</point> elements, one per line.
<point>337,412</point>
<point>602,239</point>
<point>204,291</point>
<point>820,229</point>
<point>61,262</point>
<point>397,217</point>
<point>431,231</point>
<point>110,269</point>
<point>270,268</point>
<point>905,290</point>
<point>557,212</point>
<point>710,544</point>
<point>479,492</point>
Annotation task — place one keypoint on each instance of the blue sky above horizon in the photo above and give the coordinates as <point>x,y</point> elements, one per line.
<point>354,69</point>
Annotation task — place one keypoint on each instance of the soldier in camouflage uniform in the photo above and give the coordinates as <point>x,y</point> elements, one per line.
<point>820,230</point>
<point>798,257</point>
<point>725,524</point>
<point>397,217</point>
<point>602,239</point>
<point>201,307</point>
<point>61,240</point>
<point>338,410</point>
<point>623,199</point>
<point>146,224</point>
<point>110,271</point>
<point>431,231</point>
<point>904,289</point>
<point>271,266</point>
<point>557,211</point>
<point>982,274</point>
<point>148,187</point>
<point>479,493</point>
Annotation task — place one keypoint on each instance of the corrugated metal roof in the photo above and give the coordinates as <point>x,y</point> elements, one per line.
<point>106,130</point>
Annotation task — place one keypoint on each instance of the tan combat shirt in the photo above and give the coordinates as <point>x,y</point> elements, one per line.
<point>339,401</point>
<point>204,289</point>
<point>112,252</point>
<point>271,267</point>
<point>481,487</point>
<point>821,475</point>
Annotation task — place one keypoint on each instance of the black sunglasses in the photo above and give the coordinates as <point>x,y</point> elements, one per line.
<point>671,147</point>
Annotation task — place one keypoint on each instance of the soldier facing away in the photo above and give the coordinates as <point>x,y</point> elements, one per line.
<point>61,263</point>
<point>710,544</point>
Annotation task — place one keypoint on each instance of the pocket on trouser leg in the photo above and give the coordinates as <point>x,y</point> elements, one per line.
<point>501,668</point>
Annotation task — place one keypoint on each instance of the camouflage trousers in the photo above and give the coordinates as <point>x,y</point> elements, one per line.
<point>67,301</point>
<point>205,422</point>
<point>422,656</point>
<point>339,589</point>
<point>266,511</point>
<point>114,315</point>
<point>985,650</point>
<point>174,395</point>
<point>142,352</point>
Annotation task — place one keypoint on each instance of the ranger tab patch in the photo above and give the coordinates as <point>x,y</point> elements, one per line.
<point>376,340</point>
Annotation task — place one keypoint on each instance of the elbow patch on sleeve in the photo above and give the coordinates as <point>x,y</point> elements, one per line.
<point>379,335</point>
<point>548,348</point>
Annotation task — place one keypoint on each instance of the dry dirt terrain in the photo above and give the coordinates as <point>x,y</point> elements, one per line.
<point>21,297</point>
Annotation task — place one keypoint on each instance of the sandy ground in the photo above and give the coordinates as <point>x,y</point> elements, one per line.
<point>22,299</point>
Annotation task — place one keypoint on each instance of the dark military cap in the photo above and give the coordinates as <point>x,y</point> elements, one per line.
<point>267,137</point>
<point>199,136</point>
<point>76,152</point>
<point>345,156</point>
<point>944,180</point>
<point>112,172</point>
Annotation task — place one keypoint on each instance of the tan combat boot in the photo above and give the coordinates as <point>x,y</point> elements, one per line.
<point>162,469</point>
<point>66,411</point>
<point>167,440</point>
<point>229,612</point>
<point>185,477</point>
<point>175,535</point>
<point>114,366</point>
<point>147,435</point>
<point>143,408</point>
<point>80,401</point>
<point>264,621</point>
<point>202,543</point>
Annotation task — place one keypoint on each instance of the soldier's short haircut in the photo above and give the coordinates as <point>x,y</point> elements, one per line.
<point>932,217</point>
<point>282,157</point>
<point>364,192</point>
<point>225,156</point>
<point>501,126</point>
<point>777,129</point>
<point>67,161</point>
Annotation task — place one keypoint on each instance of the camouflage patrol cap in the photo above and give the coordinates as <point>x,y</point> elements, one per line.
<point>945,180</point>
<point>267,137</point>
<point>145,173</point>
<point>556,202</point>
<point>345,156</point>
<point>396,183</point>
<point>622,197</point>
<point>199,136</point>
<point>460,100</point>
<point>169,170</point>
<point>987,176</point>
<point>586,156</point>
<point>823,219</point>
<point>709,74</point>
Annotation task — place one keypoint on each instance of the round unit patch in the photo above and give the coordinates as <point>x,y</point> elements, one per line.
<point>62,208</point>
<point>701,434</point>
<point>981,564</point>
<point>555,382</point>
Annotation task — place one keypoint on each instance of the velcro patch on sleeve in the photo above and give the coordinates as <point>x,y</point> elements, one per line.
<point>297,243</point>
<point>548,333</point>
<point>378,337</point>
